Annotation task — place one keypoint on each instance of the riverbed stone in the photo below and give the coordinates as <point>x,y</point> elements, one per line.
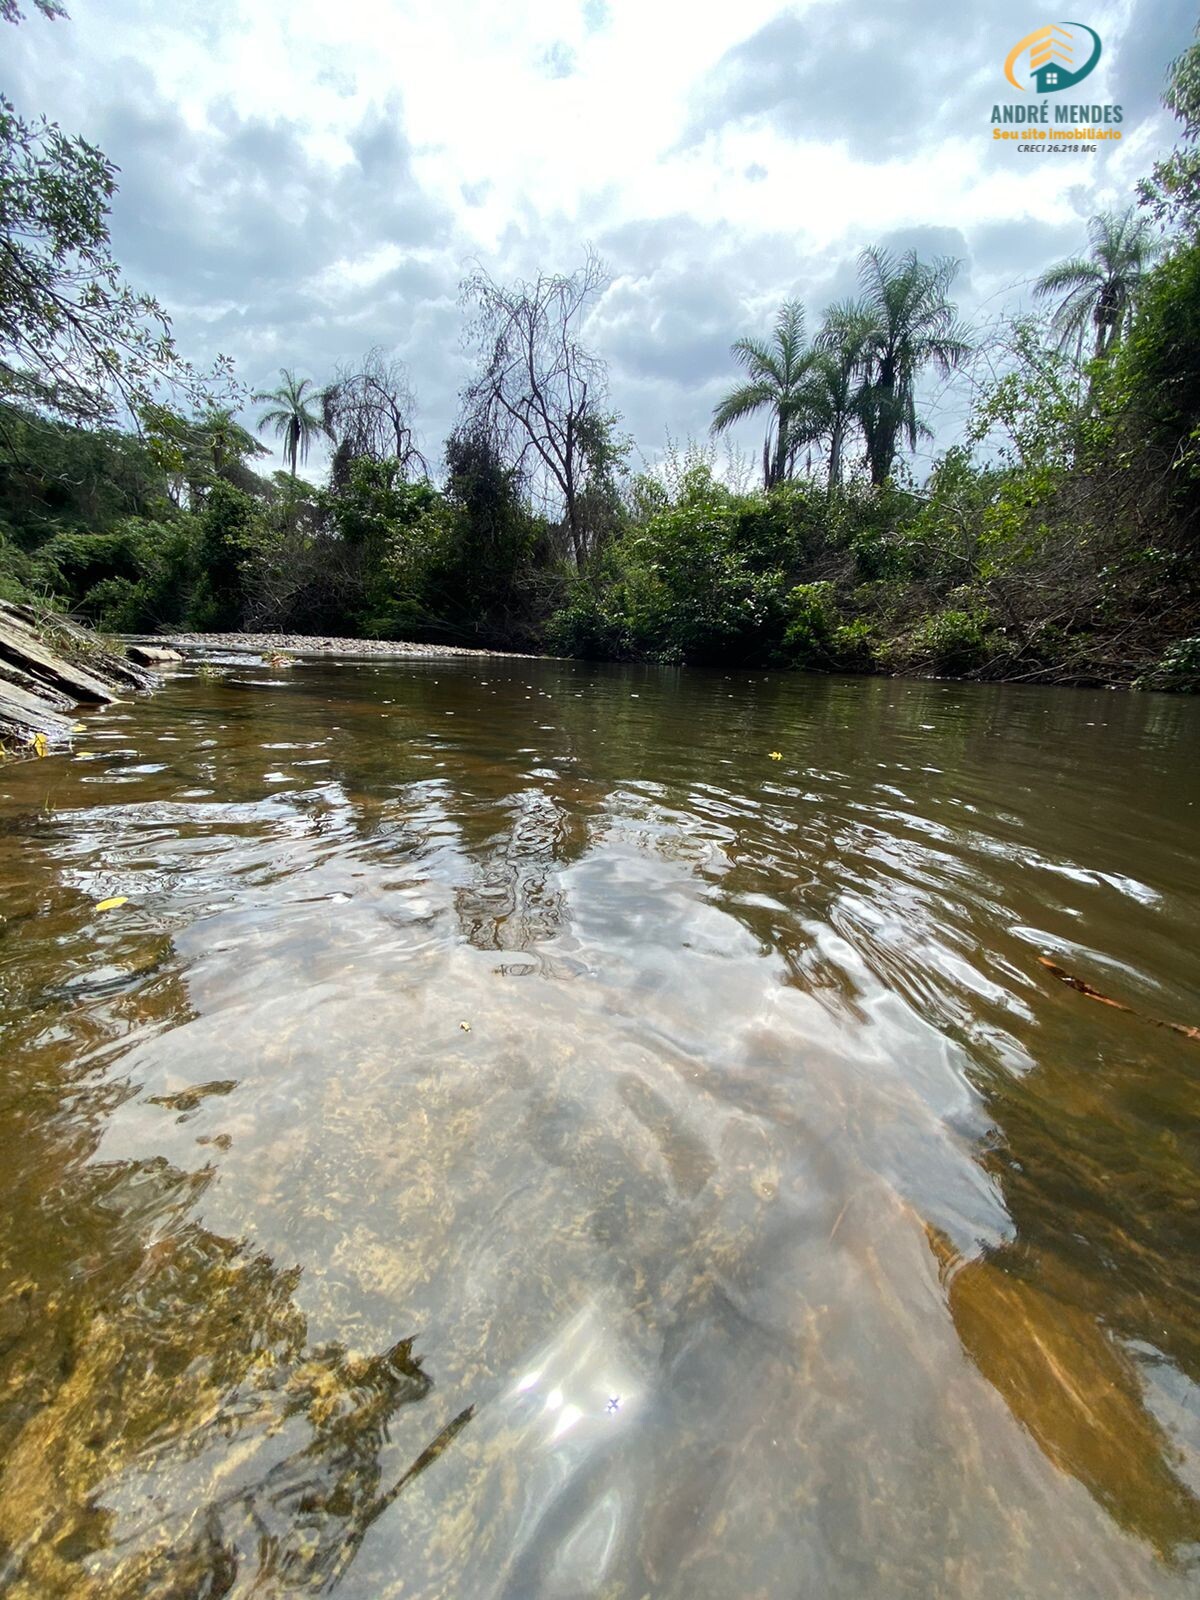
<point>20,645</point>
<point>151,655</point>
<point>48,665</point>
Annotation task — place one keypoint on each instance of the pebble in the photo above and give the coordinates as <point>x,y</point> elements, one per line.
<point>320,645</point>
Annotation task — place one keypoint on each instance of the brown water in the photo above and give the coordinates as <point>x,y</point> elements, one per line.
<point>519,1139</point>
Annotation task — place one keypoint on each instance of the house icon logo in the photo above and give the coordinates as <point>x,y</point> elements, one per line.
<point>1060,56</point>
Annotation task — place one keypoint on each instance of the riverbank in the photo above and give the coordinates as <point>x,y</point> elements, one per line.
<point>302,644</point>
<point>1127,678</point>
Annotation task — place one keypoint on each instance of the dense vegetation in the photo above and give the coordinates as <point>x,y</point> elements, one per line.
<point>1056,541</point>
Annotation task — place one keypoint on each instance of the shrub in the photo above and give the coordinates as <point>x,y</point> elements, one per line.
<point>20,577</point>
<point>702,580</point>
<point>954,642</point>
<point>1156,376</point>
<point>811,621</point>
<point>1177,671</point>
<point>852,647</point>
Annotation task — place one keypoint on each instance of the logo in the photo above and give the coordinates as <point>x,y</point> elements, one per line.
<point>1060,55</point>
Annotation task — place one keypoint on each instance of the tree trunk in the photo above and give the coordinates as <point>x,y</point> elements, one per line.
<point>781,449</point>
<point>836,443</point>
<point>882,446</point>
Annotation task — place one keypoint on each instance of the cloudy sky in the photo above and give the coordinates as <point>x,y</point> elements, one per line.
<point>301,182</point>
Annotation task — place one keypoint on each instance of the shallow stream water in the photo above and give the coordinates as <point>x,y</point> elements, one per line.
<point>537,1130</point>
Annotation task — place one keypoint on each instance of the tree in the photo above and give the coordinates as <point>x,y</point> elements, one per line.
<point>194,452</point>
<point>912,325</point>
<point>488,495</point>
<point>495,582</point>
<point>394,532</point>
<point>1172,192</point>
<point>75,339</point>
<point>837,378</point>
<point>541,394</point>
<point>230,530</point>
<point>779,381</point>
<point>292,415</point>
<point>1154,381</point>
<point>224,441</point>
<point>1100,289</point>
<point>368,413</point>
<point>10,11</point>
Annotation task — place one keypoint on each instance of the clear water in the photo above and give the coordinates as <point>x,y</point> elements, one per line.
<point>519,1139</point>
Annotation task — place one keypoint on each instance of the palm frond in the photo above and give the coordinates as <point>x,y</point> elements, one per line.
<point>742,402</point>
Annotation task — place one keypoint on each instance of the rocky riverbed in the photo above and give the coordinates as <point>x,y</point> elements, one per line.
<point>316,645</point>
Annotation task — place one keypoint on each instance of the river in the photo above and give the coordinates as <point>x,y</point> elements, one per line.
<point>539,1130</point>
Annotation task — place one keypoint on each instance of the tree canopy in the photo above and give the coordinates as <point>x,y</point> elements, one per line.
<point>778,380</point>
<point>1097,292</point>
<point>295,415</point>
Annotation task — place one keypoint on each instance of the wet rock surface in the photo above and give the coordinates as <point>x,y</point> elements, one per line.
<point>149,655</point>
<point>48,665</point>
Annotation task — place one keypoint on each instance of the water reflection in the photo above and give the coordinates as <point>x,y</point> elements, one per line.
<point>785,1227</point>
<point>168,1423</point>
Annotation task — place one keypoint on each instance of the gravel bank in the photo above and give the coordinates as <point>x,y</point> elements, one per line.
<point>299,644</point>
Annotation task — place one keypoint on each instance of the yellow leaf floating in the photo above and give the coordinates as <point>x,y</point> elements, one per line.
<point>39,743</point>
<point>111,903</point>
<point>79,727</point>
<point>775,755</point>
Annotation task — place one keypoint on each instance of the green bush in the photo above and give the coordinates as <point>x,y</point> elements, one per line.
<point>811,621</point>
<point>1155,379</point>
<point>953,642</point>
<point>137,578</point>
<point>20,576</point>
<point>853,648</point>
<point>1177,671</point>
<point>701,580</point>
<point>593,624</point>
<point>817,638</point>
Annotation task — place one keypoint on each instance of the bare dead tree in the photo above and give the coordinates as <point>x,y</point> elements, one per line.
<point>541,394</point>
<point>368,412</point>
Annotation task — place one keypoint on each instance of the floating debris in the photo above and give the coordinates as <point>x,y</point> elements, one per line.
<point>1106,1000</point>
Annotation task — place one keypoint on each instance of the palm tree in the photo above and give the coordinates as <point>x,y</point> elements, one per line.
<point>778,381</point>
<point>292,416</point>
<point>223,439</point>
<point>838,374</point>
<point>1101,288</point>
<point>912,326</point>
